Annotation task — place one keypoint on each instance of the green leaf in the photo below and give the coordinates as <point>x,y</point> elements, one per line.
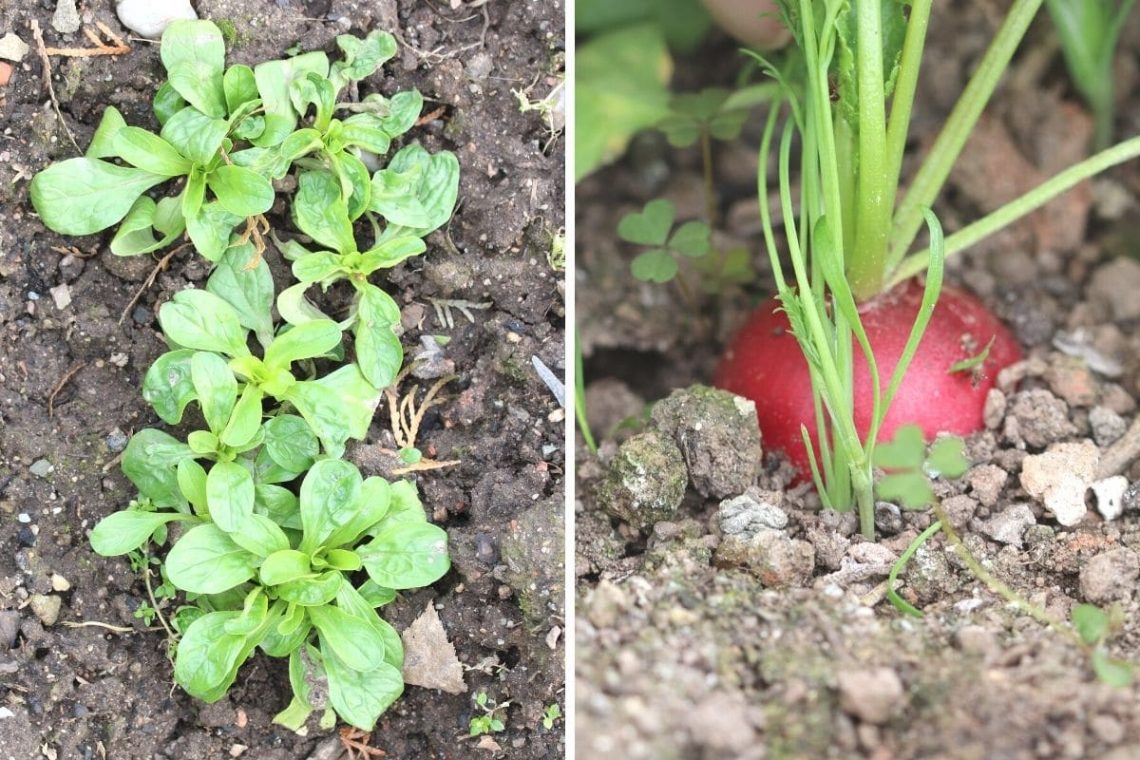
<point>210,230</point>
<point>239,87</point>
<point>946,458</point>
<point>305,341</point>
<point>692,239</point>
<point>339,406</point>
<point>893,32</point>
<point>657,265</point>
<point>295,308</point>
<point>436,181</point>
<point>366,131</point>
<point>376,595</point>
<point>149,152</point>
<point>243,192</point>
<point>378,349</point>
<point>167,102</point>
<point>312,592</point>
<point>290,442</point>
<point>208,658</point>
<point>360,698</point>
<point>355,642</point>
<point>278,504</point>
<point>328,499</point>
<point>193,196</point>
<point>199,319</point>
<point>215,387</point>
<point>370,507</point>
<point>973,362</point>
<point>407,555</point>
<point>318,266</point>
<point>362,57</point>
<point>248,289</point>
<point>320,212</point>
<point>284,566</point>
<point>81,196</point>
<point>904,452</point>
<point>150,461</point>
<point>273,81</point>
<point>245,421</point>
<point>394,196</point>
<point>167,386</point>
<point>390,253</point>
<point>1091,622</point>
<point>404,507</point>
<point>650,226</point>
<point>136,232</point>
<point>229,491</point>
<point>191,478</point>
<point>195,135</point>
<point>1114,672</point>
<point>355,184</point>
<point>129,529</point>
<point>354,603</point>
<point>207,561</point>
<point>909,490</point>
<point>621,78</point>
<point>403,110</point>
<point>315,90</point>
<point>194,55</point>
<point>103,141</point>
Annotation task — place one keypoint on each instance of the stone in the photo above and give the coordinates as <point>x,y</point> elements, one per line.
<point>888,518</point>
<point>46,607</point>
<point>1107,426</point>
<point>777,560</point>
<point>605,604</point>
<point>9,628</point>
<point>13,48</point>
<point>646,480</point>
<point>718,435</point>
<point>59,583</point>
<point>987,481</point>
<point>65,20</point>
<point>1072,380</point>
<point>148,18</point>
<point>41,468</point>
<point>755,510</point>
<point>1109,494</point>
<point>532,551</point>
<point>1009,525</point>
<point>1059,477</point>
<point>1041,418</point>
<point>874,696</point>
<point>994,410</point>
<point>1116,286</point>
<point>1110,576</point>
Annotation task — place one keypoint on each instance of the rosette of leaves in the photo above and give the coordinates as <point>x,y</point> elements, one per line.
<point>283,583</point>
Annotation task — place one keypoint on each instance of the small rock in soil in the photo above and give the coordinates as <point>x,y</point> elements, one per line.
<point>994,410</point>
<point>5,73</point>
<point>1037,417</point>
<point>1109,495</point>
<point>1116,286</point>
<point>718,434</point>
<point>1130,501</point>
<point>605,604</point>
<point>9,628</point>
<point>66,17</point>
<point>13,48</point>
<point>26,535</point>
<point>41,468</point>
<point>429,657</point>
<point>960,509</point>
<point>533,553</point>
<point>755,510</point>
<point>46,607</point>
<point>777,560</point>
<point>888,518</point>
<point>148,18</point>
<point>1059,478</point>
<point>1009,525</point>
<point>873,696</point>
<point>1071,379</point>
<point>1107,426</point>
<point>116,441</point>
<point>928,574</point>
<point>646,480</point>
<point>1110,576</point>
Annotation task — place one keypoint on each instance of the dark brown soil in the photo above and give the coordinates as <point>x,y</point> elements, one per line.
<point>70,379</point>
<point>683,653</point>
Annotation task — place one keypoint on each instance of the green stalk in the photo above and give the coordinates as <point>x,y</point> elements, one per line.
<point>936,168</point>
<point>906,85</point>
<point>866,262</point>
<point>1026,204</point>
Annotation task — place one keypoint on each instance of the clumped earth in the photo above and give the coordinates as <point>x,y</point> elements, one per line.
<point>72,685</point>
<point>746,622</point>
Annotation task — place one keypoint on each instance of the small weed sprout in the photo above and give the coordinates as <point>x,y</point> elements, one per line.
<point>550,715</point>
<point>488,722</point>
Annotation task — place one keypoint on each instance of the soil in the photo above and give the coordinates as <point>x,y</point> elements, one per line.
<point>70,373</point>
<point>763,616</point>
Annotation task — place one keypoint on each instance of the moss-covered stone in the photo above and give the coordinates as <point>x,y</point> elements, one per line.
<point>646,481</point>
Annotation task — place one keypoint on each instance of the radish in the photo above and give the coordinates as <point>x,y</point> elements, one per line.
<point>849,301</point>
<point>763,362</point>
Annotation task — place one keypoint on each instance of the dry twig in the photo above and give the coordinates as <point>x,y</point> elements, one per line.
<point>358,744</point>
<point>59,386</point>
<point>150,280</point>
<point>101,48</point>
<point>38,35</point>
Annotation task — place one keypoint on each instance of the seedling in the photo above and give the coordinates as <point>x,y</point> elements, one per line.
<point>276,542</point>
<point>550,715</point>
<point>488,722</point>
<point>849,301</point>
<point>1089,32</point>
<point>653,226</point>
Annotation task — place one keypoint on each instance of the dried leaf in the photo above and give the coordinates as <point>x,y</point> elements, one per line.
<point>429,658</point>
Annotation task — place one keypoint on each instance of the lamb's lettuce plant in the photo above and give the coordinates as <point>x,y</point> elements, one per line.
<point>278,543</point>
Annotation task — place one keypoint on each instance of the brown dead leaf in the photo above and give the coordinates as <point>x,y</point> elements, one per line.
<point>489,744</point>
<point>429,658</point>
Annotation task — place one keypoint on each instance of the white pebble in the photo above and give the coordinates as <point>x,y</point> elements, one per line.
<point>149,18</point>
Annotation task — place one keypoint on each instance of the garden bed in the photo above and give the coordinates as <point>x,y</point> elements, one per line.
<point>81,675</point>
<point>790,649</point>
